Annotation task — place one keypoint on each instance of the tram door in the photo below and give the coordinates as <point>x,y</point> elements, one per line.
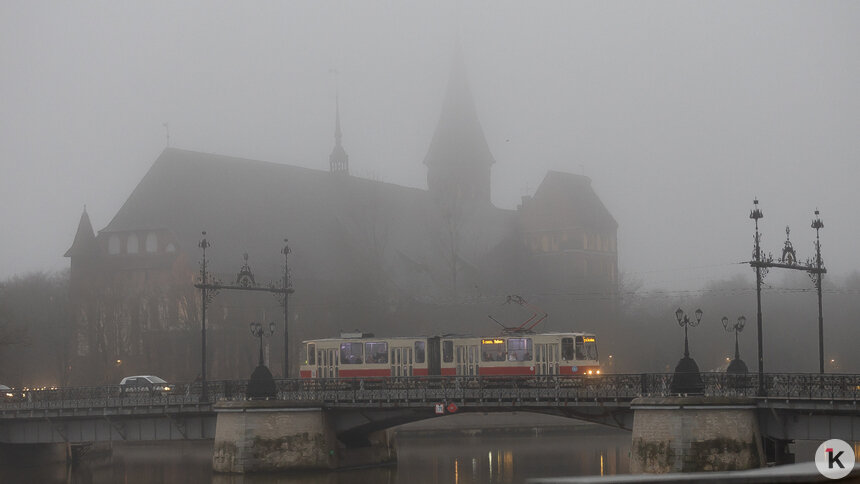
<point>401,361</point>
<point>546,359</point>
<point>327,360</point>
<point>466,359</point>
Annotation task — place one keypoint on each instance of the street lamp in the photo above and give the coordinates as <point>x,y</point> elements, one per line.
<point>258,331</point>
<point>737,365</point>
<point>685,321</point>
<point>687,378</point>
<point>262,385</point>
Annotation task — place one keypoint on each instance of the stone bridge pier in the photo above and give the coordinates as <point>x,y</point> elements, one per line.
<point>272,435</point>
<point>694,434</point>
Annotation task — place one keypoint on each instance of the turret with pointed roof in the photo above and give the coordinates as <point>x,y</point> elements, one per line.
<point>338,159</point>
<point>459,159</point>
<point>85,239</point>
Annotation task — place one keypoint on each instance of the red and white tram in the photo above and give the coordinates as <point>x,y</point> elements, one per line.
<point>361,355</point>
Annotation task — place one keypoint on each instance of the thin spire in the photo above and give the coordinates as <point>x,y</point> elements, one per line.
<point>337,133</point>
<point>338,159</point>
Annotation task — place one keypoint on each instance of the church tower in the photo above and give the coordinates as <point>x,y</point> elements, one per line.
<point>459,159</point>
<point>338,159</point>
<point>84,249</point>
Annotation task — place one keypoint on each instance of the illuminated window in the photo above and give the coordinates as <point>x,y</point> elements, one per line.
<point>519,349</point>
<point>113,245</point>
<point>151,242</point>
<point>493,350</point>
<point>350,353</point>
<point>376,352</point>
<point>132,245</point>
<point>586,348</point>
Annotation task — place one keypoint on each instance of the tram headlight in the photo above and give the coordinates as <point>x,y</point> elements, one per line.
<point>590,372</point>
<point>598,372</point>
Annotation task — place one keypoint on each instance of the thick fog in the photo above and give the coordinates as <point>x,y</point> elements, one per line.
<point>679,112</point>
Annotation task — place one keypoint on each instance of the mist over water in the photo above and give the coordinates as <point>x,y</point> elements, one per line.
<point>499,456</point>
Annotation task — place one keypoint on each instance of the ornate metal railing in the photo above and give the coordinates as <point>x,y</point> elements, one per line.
<point>607,389</point>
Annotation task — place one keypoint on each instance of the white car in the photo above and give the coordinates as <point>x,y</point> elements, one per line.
<point>6,392</point>
<point>144,384</point>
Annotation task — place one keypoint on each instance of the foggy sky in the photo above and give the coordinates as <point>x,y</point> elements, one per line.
<point>680,112</point>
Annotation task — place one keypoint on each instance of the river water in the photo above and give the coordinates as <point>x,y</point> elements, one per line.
<point>456,453</point>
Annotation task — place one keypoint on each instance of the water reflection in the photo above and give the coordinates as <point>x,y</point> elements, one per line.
<point>501,456</point>
<point>507,458</point>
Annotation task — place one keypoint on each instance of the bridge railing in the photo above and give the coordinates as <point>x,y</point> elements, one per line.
<point>486,390</point>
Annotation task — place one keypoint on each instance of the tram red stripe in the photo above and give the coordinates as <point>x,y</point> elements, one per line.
<point>505,370</point>
<point>345,373</point>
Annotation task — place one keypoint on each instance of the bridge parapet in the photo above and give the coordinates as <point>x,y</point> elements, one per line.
<point>399,391</point>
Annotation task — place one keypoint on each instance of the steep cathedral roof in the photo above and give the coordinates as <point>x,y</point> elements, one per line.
<point>333,223</point>
<point>569,199</point>
<point>459,137</point>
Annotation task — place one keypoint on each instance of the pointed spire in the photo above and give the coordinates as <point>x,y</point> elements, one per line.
<point>337,134</point>
<point>459,154</point>
<point>338,159</point>
<point>85,238</point>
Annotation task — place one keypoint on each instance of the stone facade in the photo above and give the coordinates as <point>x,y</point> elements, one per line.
<point>265,436</point>
<point>695,434</point>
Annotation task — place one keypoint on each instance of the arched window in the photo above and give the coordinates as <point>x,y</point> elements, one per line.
<point>132,245</point>
<point>151,242</point>
<point>113,244</point>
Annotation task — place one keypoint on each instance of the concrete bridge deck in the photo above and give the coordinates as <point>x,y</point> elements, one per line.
<point>794,405</point>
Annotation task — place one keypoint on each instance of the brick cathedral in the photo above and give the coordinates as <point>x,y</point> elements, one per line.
<point>366,255</point>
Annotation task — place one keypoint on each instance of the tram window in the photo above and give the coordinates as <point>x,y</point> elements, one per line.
<point>567,348</point>
<point>447,351</point>
<point>493,350</point>
<point>419,352</point>
<point>376,352</point>
<point>580,348</point>
<point>312,353</point>
<point>520,349</point>
<point>350,353</point>
<point>590,347</point>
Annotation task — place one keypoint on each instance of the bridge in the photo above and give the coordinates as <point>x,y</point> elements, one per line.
<point>792,406</point>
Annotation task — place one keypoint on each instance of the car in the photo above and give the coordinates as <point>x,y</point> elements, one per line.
<point>150,384</point>
<point>6,392</point>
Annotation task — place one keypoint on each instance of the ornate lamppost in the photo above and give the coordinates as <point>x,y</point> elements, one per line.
<point>258,331</point>
<point>262,385</point>
<point>687,378</point>
<point>737,365</point>
<point>816,276</point>
<point>813,267</point>
<point>206,296</point>
<point>210,286</point>
<point>760,272</point>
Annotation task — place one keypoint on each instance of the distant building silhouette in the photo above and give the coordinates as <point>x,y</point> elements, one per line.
<point>366,254</point>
